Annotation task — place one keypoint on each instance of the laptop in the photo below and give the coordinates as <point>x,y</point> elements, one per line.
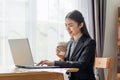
<point>22,55</point>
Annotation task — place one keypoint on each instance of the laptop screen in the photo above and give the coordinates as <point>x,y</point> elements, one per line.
<point>21,52</point>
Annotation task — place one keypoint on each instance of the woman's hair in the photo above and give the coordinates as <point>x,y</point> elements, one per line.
<point>77,17</point>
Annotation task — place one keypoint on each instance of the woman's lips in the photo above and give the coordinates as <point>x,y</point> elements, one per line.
<point>70,32</point>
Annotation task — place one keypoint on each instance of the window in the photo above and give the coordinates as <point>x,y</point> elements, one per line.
<point>12,25</point>
<point>41,21</point>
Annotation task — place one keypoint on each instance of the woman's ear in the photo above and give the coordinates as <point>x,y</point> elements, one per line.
<point>81,24</point>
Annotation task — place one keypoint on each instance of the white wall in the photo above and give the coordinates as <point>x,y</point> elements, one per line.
<point>111,30</point>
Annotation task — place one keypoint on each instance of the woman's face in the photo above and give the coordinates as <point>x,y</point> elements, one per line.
<point>72,27</point>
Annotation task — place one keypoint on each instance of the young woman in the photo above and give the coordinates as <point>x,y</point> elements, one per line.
<point>80,49</point>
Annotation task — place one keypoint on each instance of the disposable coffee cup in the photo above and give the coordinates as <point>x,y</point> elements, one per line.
<point>62,46</point>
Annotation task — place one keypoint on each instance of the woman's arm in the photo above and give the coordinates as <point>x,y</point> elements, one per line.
<point>84,58</point>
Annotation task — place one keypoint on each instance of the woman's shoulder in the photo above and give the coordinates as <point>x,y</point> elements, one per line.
<point>89,41</point>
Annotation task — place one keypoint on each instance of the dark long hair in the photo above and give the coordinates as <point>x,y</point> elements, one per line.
<point>77,17</point>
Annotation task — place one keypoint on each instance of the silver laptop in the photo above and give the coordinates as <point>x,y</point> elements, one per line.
<point>22,55</point>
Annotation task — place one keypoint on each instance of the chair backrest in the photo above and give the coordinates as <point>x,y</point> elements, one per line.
<point>118,76</point>
<point>105,63</point>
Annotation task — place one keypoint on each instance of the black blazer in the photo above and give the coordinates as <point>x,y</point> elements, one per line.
<point>82,57</point>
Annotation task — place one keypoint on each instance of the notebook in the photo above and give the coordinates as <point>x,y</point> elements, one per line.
<point>22,55</point>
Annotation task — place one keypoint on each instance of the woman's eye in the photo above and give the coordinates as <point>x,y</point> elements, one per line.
<point>70,25</point>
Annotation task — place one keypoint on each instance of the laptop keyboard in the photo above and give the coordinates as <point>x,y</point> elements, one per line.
<point>37,67</point>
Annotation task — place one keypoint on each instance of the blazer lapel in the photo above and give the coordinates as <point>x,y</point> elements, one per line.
<point>78,46</point>
<point>68,51</point>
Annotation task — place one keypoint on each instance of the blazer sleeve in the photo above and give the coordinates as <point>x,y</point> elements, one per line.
<point>85,59</point>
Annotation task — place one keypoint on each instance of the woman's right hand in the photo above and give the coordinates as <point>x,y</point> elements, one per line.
<point>60,52</point>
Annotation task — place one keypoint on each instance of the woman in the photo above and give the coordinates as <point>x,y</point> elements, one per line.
<point>80,49</point>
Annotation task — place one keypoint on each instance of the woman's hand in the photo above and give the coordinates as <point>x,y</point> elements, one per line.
<point>46,62</point>
<point>60,52</point>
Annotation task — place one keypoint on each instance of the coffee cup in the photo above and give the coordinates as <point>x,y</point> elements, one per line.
<point>62,47</point>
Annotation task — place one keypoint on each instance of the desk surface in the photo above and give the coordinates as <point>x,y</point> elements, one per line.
<point>10,71</point>
<point>16,74</point>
